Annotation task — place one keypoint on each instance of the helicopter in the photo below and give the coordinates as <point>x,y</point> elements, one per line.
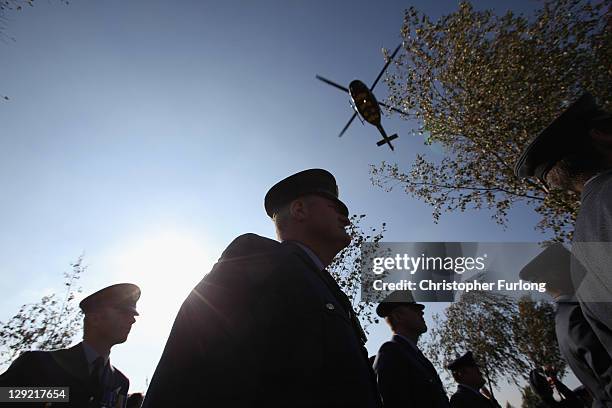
<point>365,104</point>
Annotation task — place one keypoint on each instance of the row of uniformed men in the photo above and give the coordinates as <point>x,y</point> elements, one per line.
<point>269,326</point>
<point>404,375</point>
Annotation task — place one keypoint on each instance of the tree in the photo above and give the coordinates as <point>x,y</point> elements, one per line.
<point>7,7</point>
<point>534,333</point>
<point>530,398</point>
<point>346,268</point>
<point>482,86</point>
<point>480,322</point>
<point>49,324</point>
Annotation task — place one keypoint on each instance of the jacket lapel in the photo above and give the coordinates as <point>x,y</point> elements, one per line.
<point>414,350</point>
<point>334,288</point>
<point>73,361</point>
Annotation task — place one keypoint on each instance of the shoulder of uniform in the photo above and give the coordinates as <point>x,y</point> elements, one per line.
<point>65,352</point>
<point>389,347</point>
<point>458,391</point>
<point>249,244</point>
<point>31,355</point>
<point>28,360</point>
<point>123,377</point>
<point>461,394</point>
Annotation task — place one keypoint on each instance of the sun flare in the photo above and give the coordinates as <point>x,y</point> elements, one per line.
<point>166,265</point>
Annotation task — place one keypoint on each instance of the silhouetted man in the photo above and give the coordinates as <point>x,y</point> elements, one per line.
<point>268,326</point>
<point>406,378</point>
<point>470,380</point>
<point>85,368</point>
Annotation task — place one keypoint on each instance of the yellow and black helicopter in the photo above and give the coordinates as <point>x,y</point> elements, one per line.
<point>365,104</point>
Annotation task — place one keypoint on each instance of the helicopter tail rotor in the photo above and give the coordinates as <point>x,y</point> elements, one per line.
<point>387,140</point>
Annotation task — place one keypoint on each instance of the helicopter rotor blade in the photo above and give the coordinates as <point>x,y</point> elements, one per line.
<point>348,124</point>
<point>393,109</point>
<point>385,67</point>
<point>328,82</point>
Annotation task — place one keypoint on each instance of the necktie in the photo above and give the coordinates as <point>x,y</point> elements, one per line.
<point>96,378</point>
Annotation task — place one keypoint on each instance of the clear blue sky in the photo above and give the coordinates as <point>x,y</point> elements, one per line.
<point>146,133</point>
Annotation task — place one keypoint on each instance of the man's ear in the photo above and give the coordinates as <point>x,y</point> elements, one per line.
<point>298,209</point>
<point>92,318</point>
<point>395,316</point>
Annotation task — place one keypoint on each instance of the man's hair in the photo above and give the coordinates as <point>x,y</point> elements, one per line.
<point>86,324</point>
<point>281,218</point>
<point>574,170</point>
<point>88,320</point>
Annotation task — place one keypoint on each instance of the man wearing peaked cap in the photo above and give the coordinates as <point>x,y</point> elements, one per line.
<point>470,381</point>
<point>269,326</point>
<point>395,300</point>
<point>574,153</point>
<point>406,378</point>
<point>85,368</point>
<point>313,181</point>
<point>121,296</point>
<point>578,343</point>
<point>565,139</point>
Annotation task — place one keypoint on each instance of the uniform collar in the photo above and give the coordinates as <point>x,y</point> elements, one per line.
<point>471,389</point>
<point>588,186</point>
<point>91,354</point>
<point>406,339</point>
<point>315,259</point>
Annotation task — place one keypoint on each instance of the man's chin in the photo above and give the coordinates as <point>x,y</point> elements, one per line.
<point>346,241</point>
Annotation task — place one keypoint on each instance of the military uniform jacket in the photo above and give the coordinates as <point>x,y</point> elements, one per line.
<point>61,368</point>
<point>584,353</point>
<point>265,328</point>
<point>467,398</point>
<point>592,245</point>
<point>406,378</point>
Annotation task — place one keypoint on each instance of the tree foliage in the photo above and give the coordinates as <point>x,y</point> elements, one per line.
<point>50,324</point>
<point>480,322</point>
<point>508,338</point>
<point>346,267</point>
<point>530,398</point>
<point>482,85</point>
<point>7,7</point>
<point>534,333</point>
